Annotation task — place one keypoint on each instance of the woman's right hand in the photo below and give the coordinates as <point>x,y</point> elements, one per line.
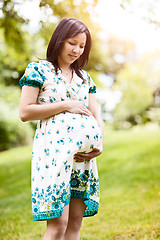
<point>75,106</point>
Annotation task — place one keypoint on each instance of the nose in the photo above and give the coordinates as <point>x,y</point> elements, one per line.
<point>76,49</point>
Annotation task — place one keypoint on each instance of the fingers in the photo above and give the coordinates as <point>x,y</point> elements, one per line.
<point>82,154</point>
<point>96,149</point>
<point>87,156</point>
<point>78,107</point>
<point>82,157</point>
<point>85,111</point>
<point>78,158</point>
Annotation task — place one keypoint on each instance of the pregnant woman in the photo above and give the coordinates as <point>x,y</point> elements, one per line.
<point>69,134</point>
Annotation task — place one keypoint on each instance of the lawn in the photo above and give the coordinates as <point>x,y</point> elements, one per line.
<point>129,171</point>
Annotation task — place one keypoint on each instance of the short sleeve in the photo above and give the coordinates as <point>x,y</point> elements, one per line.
<point>33,76</point>
<point>92,85</point>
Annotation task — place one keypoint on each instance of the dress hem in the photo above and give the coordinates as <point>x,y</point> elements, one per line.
<point>91,210</point>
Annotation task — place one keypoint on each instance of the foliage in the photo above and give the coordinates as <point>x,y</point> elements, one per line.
<point>129,186</point>
<point>12,22</point>
<point>118,52</point>
<point>80,9</point>
<point>154,114</point>
<point>10,95</point>
<point>136,97</point>
<point>12,130</point>
<point>139,83</point>
<point>13,62</point>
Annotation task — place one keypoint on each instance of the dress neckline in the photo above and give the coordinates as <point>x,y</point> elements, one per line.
<point>72,79</point>
<point>75,77</point>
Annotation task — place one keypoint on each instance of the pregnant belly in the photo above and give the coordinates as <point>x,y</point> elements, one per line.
<point>73,131</point>
<point>82,130</point>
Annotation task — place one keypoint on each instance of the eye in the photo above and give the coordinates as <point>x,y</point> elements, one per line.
<point>71,43</point>
<point>82,46</point>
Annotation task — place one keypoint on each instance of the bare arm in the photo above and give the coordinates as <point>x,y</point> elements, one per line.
<point>30,110</point>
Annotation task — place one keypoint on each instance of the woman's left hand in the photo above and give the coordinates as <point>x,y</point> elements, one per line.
<point>81,157</point>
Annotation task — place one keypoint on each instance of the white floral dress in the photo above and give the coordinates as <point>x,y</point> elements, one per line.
<point>56,177</point>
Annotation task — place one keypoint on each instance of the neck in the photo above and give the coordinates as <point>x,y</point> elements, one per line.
<point>65,69</point>
<point>63,66</point>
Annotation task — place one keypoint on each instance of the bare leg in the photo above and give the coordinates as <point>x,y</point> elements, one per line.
<point>56,227</point>
<point>76,212</point>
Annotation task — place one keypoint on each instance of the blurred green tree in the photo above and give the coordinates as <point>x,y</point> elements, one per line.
<point>139,82</point>
<point>117,53</point>
<point>137,95</point>
<point>11,23</point>
<point>16,43</point>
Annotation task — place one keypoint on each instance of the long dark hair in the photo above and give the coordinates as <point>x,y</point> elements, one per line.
<point>68,28</point>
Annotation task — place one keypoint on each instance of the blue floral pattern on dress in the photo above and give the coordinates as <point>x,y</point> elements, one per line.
<point>56,177</point>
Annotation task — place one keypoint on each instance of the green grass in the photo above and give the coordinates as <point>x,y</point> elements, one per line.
<point>129,171</point>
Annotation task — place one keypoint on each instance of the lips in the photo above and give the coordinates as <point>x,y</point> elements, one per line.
<point>72,56</point>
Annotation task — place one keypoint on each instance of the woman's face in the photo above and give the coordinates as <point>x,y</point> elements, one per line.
<point>72,49</point>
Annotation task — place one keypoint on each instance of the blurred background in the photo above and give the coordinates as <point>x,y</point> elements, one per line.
<point>124,61</point>
<point>125,65</point>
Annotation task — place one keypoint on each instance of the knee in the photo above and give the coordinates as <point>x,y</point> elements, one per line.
<point>75,222</point>
<point>60,230</point>
<point>56,231</point>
